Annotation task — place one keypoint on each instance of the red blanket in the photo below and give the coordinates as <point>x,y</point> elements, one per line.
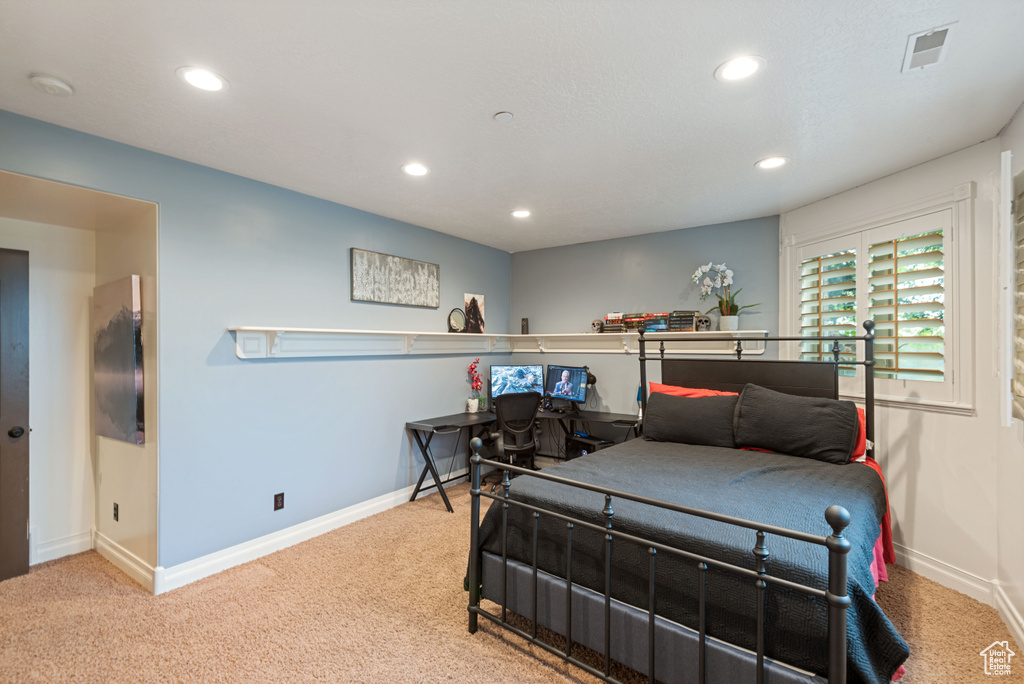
<point>885,541</point>
<point>888,554</point>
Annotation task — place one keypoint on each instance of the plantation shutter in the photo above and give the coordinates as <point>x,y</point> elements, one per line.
<point>828,304</point>
<point>906,300</point>
<point>1018,357</point>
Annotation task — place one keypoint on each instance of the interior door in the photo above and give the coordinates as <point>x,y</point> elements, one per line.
<point>13,413</point>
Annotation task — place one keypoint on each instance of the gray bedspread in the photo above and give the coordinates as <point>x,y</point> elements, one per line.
<point>778,490</point>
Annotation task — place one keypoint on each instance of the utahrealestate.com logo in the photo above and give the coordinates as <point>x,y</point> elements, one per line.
<point>997,658</point>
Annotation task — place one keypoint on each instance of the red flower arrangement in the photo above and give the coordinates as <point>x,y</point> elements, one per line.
<point>475,383</point>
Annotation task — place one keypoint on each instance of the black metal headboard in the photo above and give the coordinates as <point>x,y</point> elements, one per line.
<point>809,379</point>
<point>805,378</point>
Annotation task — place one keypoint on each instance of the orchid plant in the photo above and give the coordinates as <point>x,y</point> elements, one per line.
<point>712,276</point>
<point>475,383</point>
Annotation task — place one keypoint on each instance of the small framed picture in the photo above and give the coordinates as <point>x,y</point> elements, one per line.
<point>474,313</point>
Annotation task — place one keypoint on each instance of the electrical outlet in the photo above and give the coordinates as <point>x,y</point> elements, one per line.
<point>279,501</point>
<point>115,512</point>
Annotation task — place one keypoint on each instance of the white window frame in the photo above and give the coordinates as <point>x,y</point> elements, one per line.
<point>1010,333</point>
<point>957,393</point>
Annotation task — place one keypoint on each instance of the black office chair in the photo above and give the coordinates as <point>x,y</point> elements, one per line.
<point>517,415</point>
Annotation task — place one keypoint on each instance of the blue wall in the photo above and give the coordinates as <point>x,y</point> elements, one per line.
<point>327,432</point>
<point>563,289</point>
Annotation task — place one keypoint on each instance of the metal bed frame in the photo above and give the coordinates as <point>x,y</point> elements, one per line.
<point>836,516</point>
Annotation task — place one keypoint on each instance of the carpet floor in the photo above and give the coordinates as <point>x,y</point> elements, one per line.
<point>379,600</point>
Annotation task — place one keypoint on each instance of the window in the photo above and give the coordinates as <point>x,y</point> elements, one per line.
<point>906,300</point>
<point>828,304</point>
<point>900,274</point>
<point>1018,305</point>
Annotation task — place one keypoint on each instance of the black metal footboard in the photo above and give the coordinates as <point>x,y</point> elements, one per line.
<point>836,594</point>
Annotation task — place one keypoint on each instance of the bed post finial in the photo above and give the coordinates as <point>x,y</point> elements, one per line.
<point>838,518</point>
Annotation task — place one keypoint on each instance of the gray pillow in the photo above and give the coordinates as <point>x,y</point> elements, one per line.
<point>810,427</point>
<point>690,420</point>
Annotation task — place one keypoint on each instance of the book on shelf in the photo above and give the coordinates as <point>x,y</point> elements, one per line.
<point>613,323</point>
<point>682,321</point>
<point>656,322</point>
<point>632,321</point>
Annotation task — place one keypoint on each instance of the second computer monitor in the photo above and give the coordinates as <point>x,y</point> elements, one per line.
<point>514,379</point>
<point>566,382</point>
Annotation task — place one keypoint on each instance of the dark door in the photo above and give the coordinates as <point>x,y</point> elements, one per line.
<point>13,413</point>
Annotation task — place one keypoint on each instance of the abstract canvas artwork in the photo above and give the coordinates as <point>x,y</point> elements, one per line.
<point>474,313</point>
<point>117,360</point>
<point>388,279</point>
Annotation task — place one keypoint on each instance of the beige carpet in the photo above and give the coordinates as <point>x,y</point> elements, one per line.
<point>380,600</point>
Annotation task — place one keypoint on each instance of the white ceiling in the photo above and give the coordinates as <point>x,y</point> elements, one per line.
<point>620,128</point>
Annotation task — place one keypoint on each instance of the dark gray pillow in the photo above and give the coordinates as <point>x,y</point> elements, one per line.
<point>690,420</point>
<point>810,427</point>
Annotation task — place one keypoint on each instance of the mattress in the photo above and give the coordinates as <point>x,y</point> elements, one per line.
<point>775,489</point>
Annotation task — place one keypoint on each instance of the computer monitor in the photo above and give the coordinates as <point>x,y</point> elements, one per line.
<point>566,382</point>
<point>513,379</point>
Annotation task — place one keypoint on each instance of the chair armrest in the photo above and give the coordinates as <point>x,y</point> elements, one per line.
<point>499,444</point>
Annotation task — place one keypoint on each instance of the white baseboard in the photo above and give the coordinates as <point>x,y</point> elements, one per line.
<point>125,560</point>
<point>1011,616</point>
<point>945,574</point>
<point>58,548</point>
<point>166,579</point>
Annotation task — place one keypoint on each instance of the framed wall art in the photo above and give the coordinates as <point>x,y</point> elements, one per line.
<point>388,279</point>
<point>117,360</point>
<point>474,313</point>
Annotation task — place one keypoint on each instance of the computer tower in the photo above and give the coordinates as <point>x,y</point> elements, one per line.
<point>581,445</point>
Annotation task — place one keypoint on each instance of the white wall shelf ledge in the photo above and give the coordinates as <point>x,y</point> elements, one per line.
<point>253,342</point>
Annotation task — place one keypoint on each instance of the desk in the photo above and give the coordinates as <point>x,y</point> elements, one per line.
<point>567,421</point>
<point>447,425</point>
<point>444,425</point>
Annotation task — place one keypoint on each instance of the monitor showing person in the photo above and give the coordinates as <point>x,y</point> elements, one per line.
<point>566,382</point>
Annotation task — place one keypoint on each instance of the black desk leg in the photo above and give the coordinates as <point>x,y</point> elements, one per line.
<point>424,449</point>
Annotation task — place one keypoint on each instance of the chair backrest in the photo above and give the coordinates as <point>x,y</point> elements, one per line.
<point>516,415</point>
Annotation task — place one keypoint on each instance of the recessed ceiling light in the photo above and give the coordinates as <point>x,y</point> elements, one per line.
<point>415,169</point>
<point>503,117</point>
<point>739,68</point>
<point>202,78</point>
<point>51,85</point>
<point>521,213</point>
<point>771,162</point>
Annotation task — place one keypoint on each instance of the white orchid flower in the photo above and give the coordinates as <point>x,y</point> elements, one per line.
<point>723,278</point>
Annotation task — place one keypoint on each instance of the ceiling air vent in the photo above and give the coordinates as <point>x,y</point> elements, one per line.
<point>927,49</point>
